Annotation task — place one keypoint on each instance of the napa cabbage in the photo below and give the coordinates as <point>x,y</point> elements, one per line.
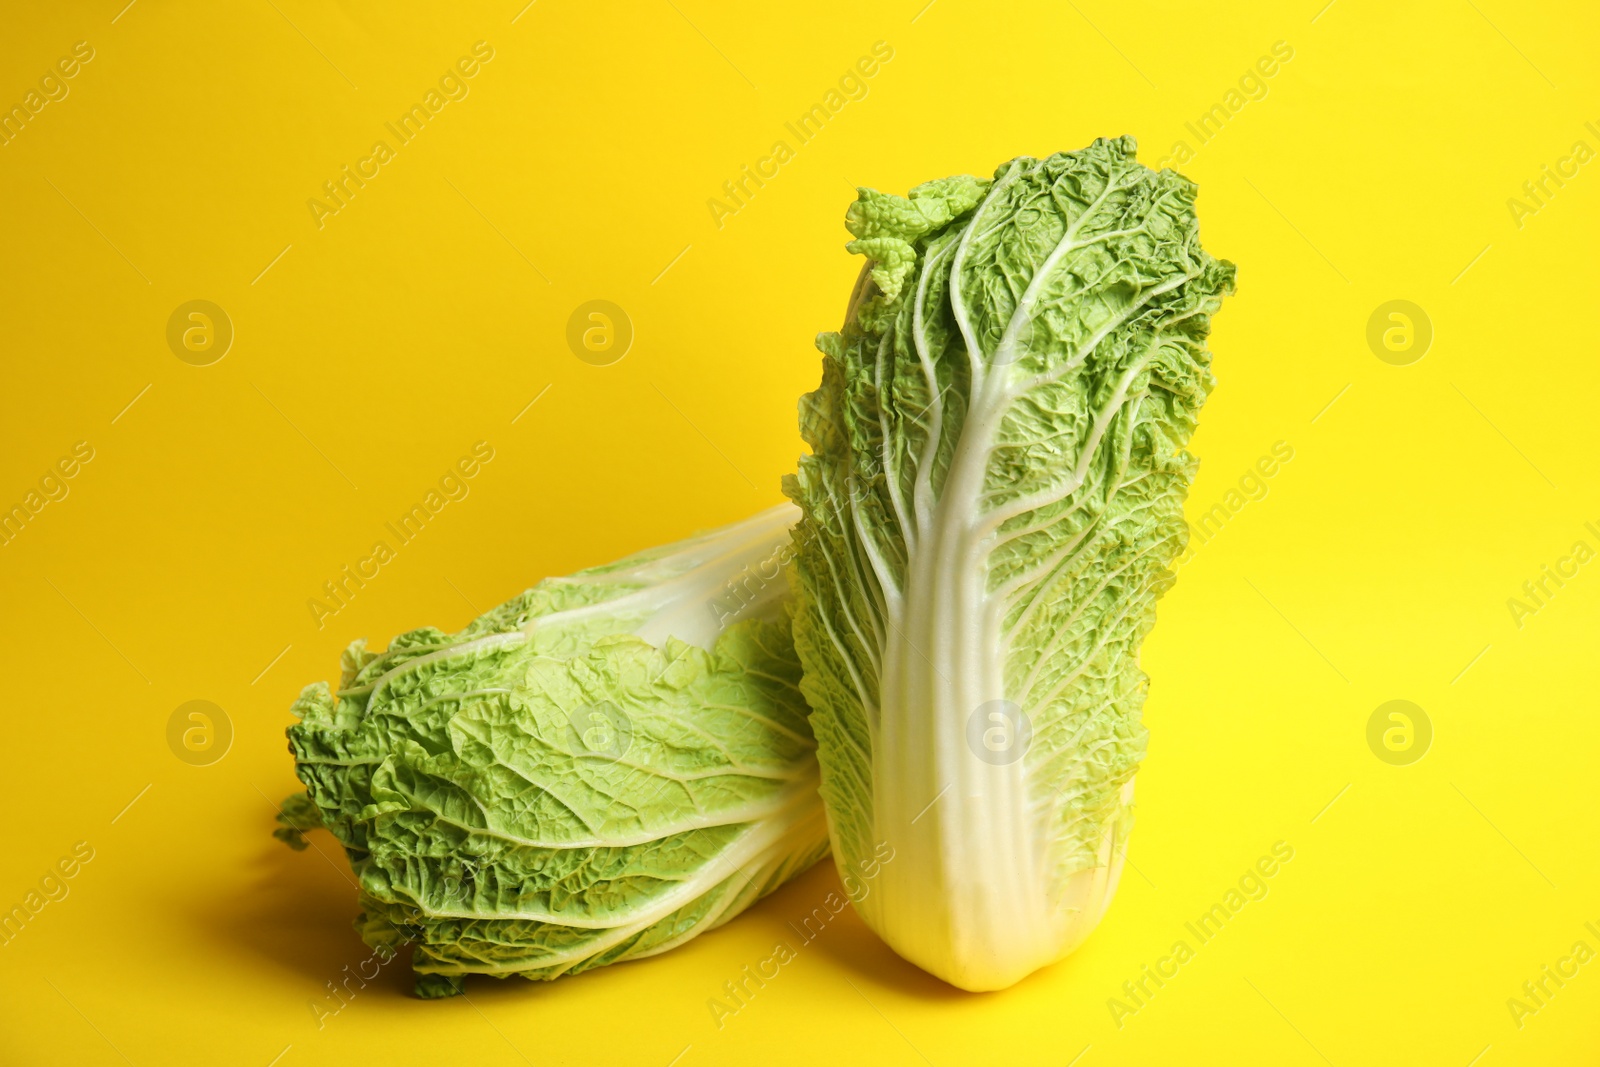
<point>991,504</point>
<point>597,770</point>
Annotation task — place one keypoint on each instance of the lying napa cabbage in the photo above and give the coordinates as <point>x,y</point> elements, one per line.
<point>598,770</point>
<point>993,499</point>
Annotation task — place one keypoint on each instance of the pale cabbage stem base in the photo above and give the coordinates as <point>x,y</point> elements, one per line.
<point>969,899</point>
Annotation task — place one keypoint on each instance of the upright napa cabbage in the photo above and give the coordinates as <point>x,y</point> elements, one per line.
<point>993,499</point>
<point>597,770</point>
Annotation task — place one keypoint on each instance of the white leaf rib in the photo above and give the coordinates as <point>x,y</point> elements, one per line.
<point>877,608</point>
<point>1094,526</point>
<point>957,304</point>
<point>771,724</point>
<point>891,471</point>
<point>880,566</point>
<point>999,516</point>
<point>1136,599</point>
<point>1060,561</point>
<point>845,657</point>
<point>800,787</point>
<point>922,488</point>
<point>878,596</point>
<point>1022,314</point>
<point>1077,359</point>
<point>869,647</point>
<point>756,840</point>
<point>1064,629</point>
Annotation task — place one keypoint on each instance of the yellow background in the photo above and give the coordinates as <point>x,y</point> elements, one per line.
<point>432,309</point>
